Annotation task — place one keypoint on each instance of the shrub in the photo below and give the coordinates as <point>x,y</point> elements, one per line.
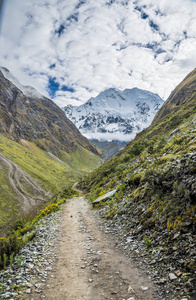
<point>169,224</point>
<point>126,158</point>
<point>7,247</point>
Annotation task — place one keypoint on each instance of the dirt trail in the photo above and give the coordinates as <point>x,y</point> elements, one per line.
<point>88,265</point>
<point>20,181</point>
<point>74,187</point>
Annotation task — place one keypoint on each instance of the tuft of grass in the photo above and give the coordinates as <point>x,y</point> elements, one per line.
<point>147,241</point>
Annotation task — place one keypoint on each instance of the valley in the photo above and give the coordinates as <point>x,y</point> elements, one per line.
<point>98,150</point>
<point>139,229</point>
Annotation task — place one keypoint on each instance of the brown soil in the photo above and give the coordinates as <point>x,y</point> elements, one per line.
<point>88,265</point>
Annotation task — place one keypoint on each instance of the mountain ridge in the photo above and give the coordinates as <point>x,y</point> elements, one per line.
<point>37,119</point>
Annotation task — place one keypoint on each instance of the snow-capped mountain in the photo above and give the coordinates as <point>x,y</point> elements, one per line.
<point>115,115</point>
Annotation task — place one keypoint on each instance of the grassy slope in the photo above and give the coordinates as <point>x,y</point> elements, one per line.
<point>53,175</point>
<point>81,159</point>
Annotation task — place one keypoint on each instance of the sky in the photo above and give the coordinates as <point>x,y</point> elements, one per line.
<point>71,50</point>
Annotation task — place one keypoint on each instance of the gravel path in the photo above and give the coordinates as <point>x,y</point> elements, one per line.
<point>71,258</point>
<point>88,265</point>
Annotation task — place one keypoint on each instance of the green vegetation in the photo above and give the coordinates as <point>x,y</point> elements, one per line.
<point>155,175</point>
<point>39,164</point>
<point>147,241</point>
<point>24,229</point>
<point>81,159</point>
<point>52,173</point>
<point>8,202</point>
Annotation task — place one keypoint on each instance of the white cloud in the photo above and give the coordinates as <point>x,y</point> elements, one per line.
<point>92,46</point>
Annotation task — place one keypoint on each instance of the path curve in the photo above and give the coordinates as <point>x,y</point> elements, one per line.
<point>74,187</point>
<point>89,266</point>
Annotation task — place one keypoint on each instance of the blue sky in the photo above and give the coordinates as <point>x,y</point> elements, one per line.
<point>71,50</point>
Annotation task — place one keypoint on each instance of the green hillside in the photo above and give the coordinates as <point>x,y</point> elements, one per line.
<point>48,175</point>
<point>155,202</point>
<point>41,151</point>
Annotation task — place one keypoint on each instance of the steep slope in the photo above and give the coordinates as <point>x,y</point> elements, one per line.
<point>181,100</point>
<point>37,119</point>
<point>115,115</point>
<point>41,151</point>
<point>153,206</point>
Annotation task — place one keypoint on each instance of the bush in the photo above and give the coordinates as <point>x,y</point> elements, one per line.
<point>7,247</point>
<point>162,142</point>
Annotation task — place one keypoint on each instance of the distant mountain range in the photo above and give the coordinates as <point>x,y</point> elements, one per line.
<point>115,115</point>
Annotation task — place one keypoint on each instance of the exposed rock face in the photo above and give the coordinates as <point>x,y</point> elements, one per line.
<point>115,115</point>
<point>38,119</point>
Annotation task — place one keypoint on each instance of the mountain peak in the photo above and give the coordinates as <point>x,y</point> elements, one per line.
<point>115,115</point>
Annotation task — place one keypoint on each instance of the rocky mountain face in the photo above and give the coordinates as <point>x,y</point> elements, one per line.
<point>115,115</point>
<point>25,114</point>
<point>153,207</point>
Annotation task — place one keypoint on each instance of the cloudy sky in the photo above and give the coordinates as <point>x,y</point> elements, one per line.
<point>71,50</point>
